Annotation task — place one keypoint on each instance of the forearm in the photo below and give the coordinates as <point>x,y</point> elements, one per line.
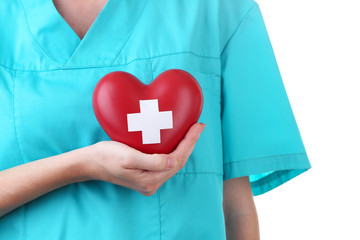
<point>26,182</point>
<point>242,226</point>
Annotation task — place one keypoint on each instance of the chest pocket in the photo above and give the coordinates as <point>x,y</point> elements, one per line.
<point>53,110</point>
<point>207,154</point>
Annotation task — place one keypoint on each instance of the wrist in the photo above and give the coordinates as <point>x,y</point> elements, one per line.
<point>83,165</point>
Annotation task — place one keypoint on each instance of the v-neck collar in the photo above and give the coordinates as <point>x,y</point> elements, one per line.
<point>101,44</point>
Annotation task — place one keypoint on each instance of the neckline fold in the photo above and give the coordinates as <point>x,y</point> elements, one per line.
<point>102,43</point>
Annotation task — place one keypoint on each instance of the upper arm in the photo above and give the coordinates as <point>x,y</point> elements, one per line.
<point>239,210</point>
<point>238,197</point>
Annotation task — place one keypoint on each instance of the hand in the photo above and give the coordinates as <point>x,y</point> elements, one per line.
<point>120,164</point>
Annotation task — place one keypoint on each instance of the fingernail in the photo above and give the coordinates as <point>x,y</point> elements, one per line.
<point>170,162</point>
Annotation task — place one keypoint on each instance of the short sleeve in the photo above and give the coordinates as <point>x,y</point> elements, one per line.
<point>260,135</point>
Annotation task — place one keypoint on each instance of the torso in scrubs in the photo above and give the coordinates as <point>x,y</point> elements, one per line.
<point>47,77</point>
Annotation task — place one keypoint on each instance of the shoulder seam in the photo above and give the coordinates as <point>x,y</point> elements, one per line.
<point>238,26</point>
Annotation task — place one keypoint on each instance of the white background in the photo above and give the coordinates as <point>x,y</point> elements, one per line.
<point>317,46</point>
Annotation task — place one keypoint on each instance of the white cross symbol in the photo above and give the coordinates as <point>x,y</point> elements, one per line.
<point>149,121</point>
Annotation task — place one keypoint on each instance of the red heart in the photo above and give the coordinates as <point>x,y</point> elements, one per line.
<point>174,93</point>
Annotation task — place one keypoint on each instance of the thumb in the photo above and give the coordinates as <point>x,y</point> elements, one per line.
<point>153,162</point>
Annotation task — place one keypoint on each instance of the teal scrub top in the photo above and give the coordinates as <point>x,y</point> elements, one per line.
<point>47,77</point>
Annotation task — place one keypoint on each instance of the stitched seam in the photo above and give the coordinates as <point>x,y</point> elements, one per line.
<point>238,26</point>
<point>151,68</point>
<point>13,113</point>
<point>159,213</point>
<point>32,34</point>
<point>223,49</point>
<point>86,67</point>
<point>121,48</point>
<point>198,173</point>
<point>190,52</point>
<point>270,156</point>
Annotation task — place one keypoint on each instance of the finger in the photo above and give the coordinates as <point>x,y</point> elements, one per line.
<point>152,162</point>
<point>187,144</point>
